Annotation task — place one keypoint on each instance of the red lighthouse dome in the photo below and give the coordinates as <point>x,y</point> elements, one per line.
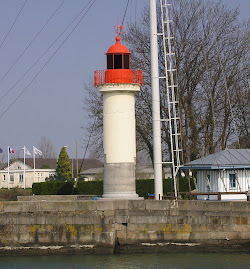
<point>118,47</point>
<point>118,67</point>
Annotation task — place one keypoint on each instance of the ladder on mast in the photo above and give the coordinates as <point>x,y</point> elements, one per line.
<point>170,85</point>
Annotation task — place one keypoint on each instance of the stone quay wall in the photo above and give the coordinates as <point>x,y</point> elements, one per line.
<point>37,226</point>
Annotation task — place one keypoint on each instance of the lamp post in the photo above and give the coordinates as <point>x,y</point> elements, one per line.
<point>72,169</point>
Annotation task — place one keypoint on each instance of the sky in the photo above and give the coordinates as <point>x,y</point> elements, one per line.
<point>52,104</point>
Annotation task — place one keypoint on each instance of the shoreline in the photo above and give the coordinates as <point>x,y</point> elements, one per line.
<point>157,247</point>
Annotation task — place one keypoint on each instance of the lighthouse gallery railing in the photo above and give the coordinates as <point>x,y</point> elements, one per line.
<point>109,76</point>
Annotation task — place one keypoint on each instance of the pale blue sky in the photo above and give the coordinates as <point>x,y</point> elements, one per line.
<point>52,105</point>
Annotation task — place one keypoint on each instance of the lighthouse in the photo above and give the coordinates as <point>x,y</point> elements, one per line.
<point>118,85</point>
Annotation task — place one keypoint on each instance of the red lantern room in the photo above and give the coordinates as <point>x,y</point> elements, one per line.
<point>118,67</point>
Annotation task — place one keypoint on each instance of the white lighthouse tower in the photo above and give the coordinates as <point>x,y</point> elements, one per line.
<point>118,84</point>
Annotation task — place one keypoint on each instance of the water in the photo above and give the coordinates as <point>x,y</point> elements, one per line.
<point>130,261</point>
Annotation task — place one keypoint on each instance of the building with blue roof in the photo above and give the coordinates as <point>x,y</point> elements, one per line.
<point>225,171</point>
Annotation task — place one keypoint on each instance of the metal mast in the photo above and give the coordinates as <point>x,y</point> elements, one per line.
<point>155,102</point>
<point>170,87</point>
<point>170,78</point>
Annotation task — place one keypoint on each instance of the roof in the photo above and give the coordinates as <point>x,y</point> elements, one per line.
<point>89,163</point>
<point>52,163</point>
<point>139,169</point>
<point>118,48</point>
<point>92,171</point>
<point>2,165</point>
<point>226,159</point>
<point>40,162</point>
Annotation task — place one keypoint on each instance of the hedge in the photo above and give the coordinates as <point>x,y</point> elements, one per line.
<point>50,188</point>
<point>146,186</point>
<point>143,187</point>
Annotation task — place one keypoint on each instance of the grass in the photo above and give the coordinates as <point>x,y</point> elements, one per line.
<point>11,194</point>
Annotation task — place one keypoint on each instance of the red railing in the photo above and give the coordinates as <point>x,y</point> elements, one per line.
<point>111,76</point>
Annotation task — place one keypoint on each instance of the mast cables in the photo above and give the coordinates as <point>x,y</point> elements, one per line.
<point>13,23</point>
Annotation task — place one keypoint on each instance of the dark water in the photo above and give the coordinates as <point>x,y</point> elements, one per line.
<point>130,261</point>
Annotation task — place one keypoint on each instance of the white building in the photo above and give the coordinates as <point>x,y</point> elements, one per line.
<point>45,168</point>
<point>20,177</point>
<point>92,174</point>
<point>225,171</point>
<point>147,172</point>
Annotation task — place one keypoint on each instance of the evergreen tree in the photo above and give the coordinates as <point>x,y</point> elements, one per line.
<point>63,166</point>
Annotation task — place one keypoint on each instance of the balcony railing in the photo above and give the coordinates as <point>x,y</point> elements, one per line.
<point>118,76</point>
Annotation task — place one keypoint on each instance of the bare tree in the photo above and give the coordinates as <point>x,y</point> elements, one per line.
<point>47,148</point>
<point>93,105</point>
<point>212,54</point>
<point>2,157</point>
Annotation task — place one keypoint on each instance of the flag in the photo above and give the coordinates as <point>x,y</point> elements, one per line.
<point>1,151</point>
<point>37,151</point>
<point>11,150</point>
<point>26,151</point>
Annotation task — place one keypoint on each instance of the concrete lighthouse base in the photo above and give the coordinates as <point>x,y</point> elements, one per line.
<point>119,182</point>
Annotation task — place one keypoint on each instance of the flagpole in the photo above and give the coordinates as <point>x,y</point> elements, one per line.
<point>24,178</point>
<point>8,167</point>
<point>34,157</point>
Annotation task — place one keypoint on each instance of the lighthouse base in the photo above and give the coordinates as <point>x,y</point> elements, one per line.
<point>119,182</point>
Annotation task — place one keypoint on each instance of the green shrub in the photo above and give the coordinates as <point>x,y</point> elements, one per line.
<point>11,194</point>
<point>90,187</point>
<point>65,189</point>
<point>143,187</point>
<point>184,186</point>
<point>36,188</point>
<point>47,188</point>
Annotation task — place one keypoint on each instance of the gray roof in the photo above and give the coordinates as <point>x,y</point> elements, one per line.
<point>52,163</point>
<point>30,162</point>
<point>226,159</point>
<point>148,169</point>
<point>92,171</point>
<point>2,165</point>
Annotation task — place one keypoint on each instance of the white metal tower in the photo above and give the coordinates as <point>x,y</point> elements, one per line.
<point>170,87</point>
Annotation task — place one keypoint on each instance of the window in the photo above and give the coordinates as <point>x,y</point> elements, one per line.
<point>208,183</point>
<point>126,61</point>
<point>20,177</point>
<point>109,61</point>
<point>232,179</point>
<point>118,61</point>
<point>11,178</point>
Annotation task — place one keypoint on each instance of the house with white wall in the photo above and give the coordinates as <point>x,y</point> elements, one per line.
<point>44,168</point>
<point>22,175</point>
<point>225,171</point>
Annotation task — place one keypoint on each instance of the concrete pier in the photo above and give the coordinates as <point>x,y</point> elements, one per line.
<point>79,226</point>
